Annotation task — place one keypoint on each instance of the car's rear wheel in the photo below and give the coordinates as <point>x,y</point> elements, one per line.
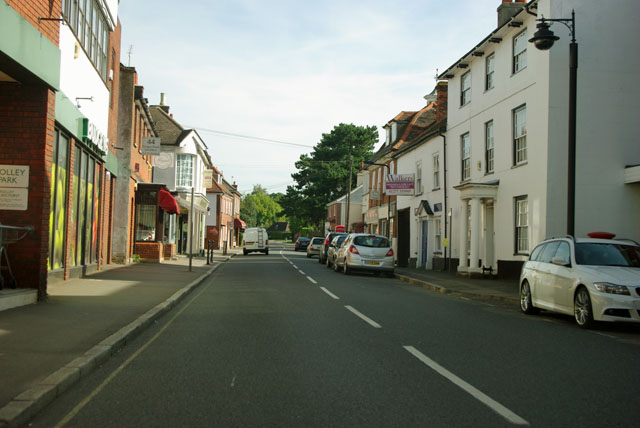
<point>335,265</point>
<point>526,303</point>
<point>582,308</point>
<point>345,268</point>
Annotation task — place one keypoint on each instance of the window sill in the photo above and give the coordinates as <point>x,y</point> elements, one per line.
<point>466,180</point>
<point>519,165</point>
<point>489,173</point>
<point>435,189</point>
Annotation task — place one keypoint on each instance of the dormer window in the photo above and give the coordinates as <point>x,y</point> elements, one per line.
<point>394,131</point>
<point>388,141</point>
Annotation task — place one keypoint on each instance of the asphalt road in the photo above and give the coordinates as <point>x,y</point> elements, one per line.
<point>282,341</point>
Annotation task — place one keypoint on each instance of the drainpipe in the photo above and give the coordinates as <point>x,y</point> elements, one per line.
<point>446,213</point>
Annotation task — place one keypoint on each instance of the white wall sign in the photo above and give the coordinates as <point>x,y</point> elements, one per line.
<point>164,160</point>
<point>150,146</point>
<point>14,187</point>
<point>13,199</point>
<point>14,175</point>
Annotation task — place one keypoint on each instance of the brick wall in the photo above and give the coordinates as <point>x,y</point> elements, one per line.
<point>31,10</point>
<point>169,250</point>
<point>150,251</point>
<point>27,123</point>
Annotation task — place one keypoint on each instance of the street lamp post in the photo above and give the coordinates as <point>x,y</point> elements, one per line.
<point>544,39</point>
<point>388,198</point>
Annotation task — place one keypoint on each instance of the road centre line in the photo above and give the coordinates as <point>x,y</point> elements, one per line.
<point>329,293</point>
<point>311,279</point>
<point>363,317</point>
<point>294,266</point>
<point>470,389</point>
<point>301,272</point>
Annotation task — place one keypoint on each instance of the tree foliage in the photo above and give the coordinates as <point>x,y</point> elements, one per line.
<point>323,175</point>
<point>259,209</point>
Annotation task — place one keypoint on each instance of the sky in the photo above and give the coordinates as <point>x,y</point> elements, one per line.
<point>283,72</point>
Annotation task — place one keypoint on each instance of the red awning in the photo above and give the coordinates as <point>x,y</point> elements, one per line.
<point>239,224</point>
<point>168,202</point>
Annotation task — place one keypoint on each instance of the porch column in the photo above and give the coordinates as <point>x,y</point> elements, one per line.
<point>462,266</point>
<point>475,235</point>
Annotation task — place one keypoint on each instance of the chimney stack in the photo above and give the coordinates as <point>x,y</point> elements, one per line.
<point>441,100</point>
<point>508,9</point>
<point>163,103</point>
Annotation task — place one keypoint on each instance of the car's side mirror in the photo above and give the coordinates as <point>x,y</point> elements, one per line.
<point>560,261</point>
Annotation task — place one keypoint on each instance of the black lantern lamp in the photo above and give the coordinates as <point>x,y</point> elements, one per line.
<point>544,38</point>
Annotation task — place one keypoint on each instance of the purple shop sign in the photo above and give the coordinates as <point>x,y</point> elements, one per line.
<point>399,184</point>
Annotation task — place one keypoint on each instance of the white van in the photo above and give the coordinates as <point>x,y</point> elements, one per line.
<point>255,240</point>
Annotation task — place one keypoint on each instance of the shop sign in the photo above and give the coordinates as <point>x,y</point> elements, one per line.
<point>399,184</point>
<point>372,215</point>
<point>207,177</point>
<point>14,187</point>
<point>92,136</point>
<point>150,146</point>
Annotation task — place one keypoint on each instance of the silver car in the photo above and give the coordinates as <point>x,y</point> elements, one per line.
<point>365,252</point>
<point>314,247</point>
<point>333,249</point>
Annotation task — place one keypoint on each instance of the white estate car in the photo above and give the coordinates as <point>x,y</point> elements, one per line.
<point>365,252</point>
<point>589,278</point>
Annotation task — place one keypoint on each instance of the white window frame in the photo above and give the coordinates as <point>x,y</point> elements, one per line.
<point>436,171</point>
<point>465,156</point>
<point>184,173</point>
<point>521,232</point>
<point>489,148</point>
<point>489,72</point>
<point>437,233</point>
<point>519,52</point>
<point>465,88</point>
<point>519,119</point>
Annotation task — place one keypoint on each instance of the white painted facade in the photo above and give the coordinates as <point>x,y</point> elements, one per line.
<point>79,77</point>
<point>484,216</point>
<point>165,172</point>
<point>426,229</point>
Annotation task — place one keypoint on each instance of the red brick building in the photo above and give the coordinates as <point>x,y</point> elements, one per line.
<point>56,125</point>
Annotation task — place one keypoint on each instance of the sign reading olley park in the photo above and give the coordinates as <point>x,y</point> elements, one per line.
<point>14,187</point>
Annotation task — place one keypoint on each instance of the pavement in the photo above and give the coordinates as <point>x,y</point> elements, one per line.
<point>486,288</point>
<point>47,347</point>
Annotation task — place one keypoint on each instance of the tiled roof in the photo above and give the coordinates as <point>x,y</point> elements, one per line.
<point>169,130</point>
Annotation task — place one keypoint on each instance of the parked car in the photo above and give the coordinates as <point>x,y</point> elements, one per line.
<point>255,239</point>
<point>333,249</point>
<point>593,279</point>
<point>313,249</point>
<point>365,252</point>
<point>302,243</point>
<point>322,258</point>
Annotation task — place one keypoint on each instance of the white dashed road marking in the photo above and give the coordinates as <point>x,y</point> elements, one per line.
<point>477,394</point>
<point>329,293</point>
<point>363,317</point>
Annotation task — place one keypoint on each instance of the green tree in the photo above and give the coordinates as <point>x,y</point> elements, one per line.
<point>324,174</point>
<point>258,208</point>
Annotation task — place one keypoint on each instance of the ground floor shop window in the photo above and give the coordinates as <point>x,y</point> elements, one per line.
<point>146,222</point>
<point>85,208</point>
<point>59,200</point>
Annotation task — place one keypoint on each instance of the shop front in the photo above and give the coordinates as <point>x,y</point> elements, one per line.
<point>156,212</point>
